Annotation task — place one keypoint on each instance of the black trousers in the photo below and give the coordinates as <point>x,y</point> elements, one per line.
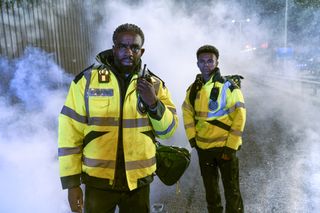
<point>106,201</point>
<point>210,165</point>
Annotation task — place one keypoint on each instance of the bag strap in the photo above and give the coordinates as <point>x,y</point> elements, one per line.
<point>195,88</point>
<point>220,124</point>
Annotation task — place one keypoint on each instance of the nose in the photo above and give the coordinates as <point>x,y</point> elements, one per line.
<point>206,64</point>
<point>128,51</point>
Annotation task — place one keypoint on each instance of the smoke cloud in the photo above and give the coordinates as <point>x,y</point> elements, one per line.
<point>32,95</point>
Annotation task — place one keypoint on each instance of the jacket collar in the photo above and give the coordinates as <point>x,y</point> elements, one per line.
<point>106,58</point>
<point>217,75</point>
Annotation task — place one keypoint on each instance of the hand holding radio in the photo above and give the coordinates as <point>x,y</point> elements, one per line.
<point>146,89</point>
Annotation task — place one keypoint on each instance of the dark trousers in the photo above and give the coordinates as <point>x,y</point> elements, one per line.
<point>106,201</point>
<point>210,165</point>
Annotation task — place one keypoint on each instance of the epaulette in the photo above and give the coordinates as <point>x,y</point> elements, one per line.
<point>79,76</point>
<point>154,75</point>
<point>235,81</point>
<point>189,87</point>
<point>221,79</point>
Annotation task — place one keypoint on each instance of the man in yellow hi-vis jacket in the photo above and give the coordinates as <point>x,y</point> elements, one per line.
<point>107,129</point>
<point>214,119</point>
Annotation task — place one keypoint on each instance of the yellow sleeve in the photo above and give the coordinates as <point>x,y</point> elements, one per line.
<point>238,116</point>
<point>72,121</point>
<point>188,114</point>
<point>166,126</point>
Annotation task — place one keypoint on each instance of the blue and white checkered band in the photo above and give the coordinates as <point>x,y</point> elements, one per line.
<point>213,105</point>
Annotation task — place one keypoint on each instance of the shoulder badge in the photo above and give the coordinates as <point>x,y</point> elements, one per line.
<point>235,80</point>
<point>103,75</point>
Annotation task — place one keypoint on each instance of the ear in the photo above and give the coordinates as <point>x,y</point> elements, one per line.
<point>142,51</point>
<point>198,64</point>
<point>113,49</point>
<point>217,63</point>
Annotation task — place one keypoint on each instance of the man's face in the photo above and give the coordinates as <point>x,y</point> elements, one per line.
<point>127,50</point>
<point>206,63</point>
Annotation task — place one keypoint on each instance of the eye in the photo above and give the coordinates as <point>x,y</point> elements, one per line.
<point>135,48</point>
<point>121,46</point>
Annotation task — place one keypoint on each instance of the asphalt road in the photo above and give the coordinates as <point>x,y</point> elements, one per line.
<point>279,163</point>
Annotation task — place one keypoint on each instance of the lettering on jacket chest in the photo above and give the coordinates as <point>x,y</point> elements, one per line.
<point>100,92</point>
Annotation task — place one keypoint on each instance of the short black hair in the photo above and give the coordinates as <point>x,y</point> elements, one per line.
<point>208,49</point>
<point>127,28</point>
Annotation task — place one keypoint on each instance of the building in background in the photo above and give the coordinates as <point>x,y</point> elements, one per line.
<point>59,27</point>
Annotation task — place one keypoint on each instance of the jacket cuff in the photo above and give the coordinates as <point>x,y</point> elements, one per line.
<point>193,142</point>
<point>157,112</point>
<point>70,181</point>
<point>229,151</point>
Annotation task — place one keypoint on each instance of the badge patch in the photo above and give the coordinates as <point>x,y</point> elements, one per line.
<point>213,105</point>
<point>103,76</point>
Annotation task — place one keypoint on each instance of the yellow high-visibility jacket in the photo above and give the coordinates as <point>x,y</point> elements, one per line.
<point>89,129</point>
<point>211,125</point>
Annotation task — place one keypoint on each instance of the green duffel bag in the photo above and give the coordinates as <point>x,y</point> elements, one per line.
<point>172,162</point>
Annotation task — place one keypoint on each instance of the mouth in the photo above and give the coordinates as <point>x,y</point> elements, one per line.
<point>207,70</point>
<point>127,61</point>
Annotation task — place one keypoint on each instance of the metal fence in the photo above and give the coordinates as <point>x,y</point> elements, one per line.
<point>58,27</point>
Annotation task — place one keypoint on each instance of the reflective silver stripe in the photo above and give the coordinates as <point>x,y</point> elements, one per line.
<point>190,125</point>
<point>240,105</point>
<point>87,75</point>
<point>168,129</point>
<point>173,110</point>
<point>237,105</point>
<point>140,164</point>
<point>232,109</point>
<point>236,132</point>
<point>99,121</point>
<point>187,106</point>
<point>99,163</point>
<point>134,123</point>
<point>111,121</point>
<point>212,115</point>
<point>73,114</point>
<point>218,113</point>
<point>69,151</point>
<point>100,92</point>
<point>202,114</point>
<point>210,140</point>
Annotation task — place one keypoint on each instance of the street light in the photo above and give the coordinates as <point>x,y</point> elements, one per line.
<point>244,20</point>
<point>241,36</point>
<point>241,21</point>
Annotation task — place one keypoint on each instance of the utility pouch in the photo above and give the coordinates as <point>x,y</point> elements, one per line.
<point>172,162</point>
